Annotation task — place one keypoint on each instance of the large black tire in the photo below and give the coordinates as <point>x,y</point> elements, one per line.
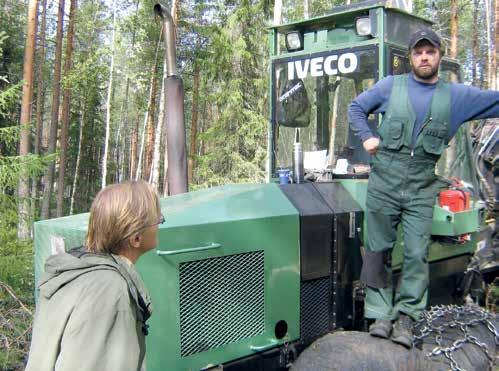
<point>355,351</point>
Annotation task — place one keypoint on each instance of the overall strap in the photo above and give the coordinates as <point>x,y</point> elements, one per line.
<point>441,104</point>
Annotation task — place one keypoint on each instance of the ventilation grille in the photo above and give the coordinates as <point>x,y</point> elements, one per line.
<point>221,301</point>
<point>314,309</point>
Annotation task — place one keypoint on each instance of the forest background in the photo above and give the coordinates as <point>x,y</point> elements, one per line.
<point>81,107</point>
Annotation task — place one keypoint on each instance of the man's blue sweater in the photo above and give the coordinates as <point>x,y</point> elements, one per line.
<point>467,103</point>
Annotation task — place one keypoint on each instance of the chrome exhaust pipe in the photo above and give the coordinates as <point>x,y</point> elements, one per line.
<point>174,106</point>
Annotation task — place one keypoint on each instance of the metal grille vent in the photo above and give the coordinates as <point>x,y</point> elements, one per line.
<point>221,301</point>
<point>314,309</point>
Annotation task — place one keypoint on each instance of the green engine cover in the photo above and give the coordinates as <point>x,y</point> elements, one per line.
<point>231,274</point>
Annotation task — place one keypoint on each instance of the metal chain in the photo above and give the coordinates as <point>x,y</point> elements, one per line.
<point>441,317</point>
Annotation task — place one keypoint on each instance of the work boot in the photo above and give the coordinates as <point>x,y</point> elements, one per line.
<point>381,328</point>
<point>402,331</point>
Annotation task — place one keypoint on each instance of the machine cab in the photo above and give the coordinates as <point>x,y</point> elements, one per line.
<point>318,66</point>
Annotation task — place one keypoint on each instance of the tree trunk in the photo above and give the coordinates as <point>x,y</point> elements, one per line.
<point>332,128</point>
<point>141,160</point>
<point>40,104</point>
<point>78,157</point>
<point>28,73</point>
<point>119,155</point>
<point>488,44</point>
<point>175,12</point>
<point>450,154</point>
<point>49,176</point>
<point>39,91</point>
<point>474,44</point>
<point>194,121</point>
<point>156,158</point>
<point>127,141</point>
<point>149,112</point>
<point>496,49</point>
<point>453,30</point>
<point>306,11</point>
<point>150,124</point>
<point>108,101</point>
<point>133,149</point>
<point>65,110</point>
<point>277,12</point>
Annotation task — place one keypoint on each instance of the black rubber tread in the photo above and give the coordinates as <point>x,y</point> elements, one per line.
<point>355,351</point>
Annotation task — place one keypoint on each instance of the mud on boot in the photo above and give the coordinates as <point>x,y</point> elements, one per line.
<point>402,331</point>
<point>381,328</point>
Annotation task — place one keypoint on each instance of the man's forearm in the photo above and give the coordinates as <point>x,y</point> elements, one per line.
<point>358,122</point>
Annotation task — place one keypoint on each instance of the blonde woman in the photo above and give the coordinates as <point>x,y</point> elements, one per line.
<point>93,306</point>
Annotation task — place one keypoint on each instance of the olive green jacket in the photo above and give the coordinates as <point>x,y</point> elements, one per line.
<point>90,315</point>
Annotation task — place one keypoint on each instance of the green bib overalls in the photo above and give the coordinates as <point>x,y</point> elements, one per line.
<point>402,188</point>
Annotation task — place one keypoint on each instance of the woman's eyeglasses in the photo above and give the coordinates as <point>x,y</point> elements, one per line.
<point>160,221</point>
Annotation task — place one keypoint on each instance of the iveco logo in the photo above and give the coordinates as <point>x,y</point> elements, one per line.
<point>320,66</point>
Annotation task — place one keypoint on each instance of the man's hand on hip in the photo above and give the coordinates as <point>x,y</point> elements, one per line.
<point>371,145</point>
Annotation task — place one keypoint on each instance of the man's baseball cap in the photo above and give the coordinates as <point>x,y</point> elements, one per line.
<point>424,34</point>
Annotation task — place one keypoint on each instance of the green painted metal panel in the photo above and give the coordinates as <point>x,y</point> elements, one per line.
<point>447,223</point>
<point>382,55</point>
<point>66,232</point>
<point>245,224</point>
<point>307,53</point>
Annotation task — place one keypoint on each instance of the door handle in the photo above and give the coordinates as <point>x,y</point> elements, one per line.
<point>211,246</point>
<point>259,348</point>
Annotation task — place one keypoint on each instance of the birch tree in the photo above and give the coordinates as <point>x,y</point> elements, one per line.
<point>474,44</point>
<point>450,154</point>
<point>194,120</point>
<point>155,164</point>
<point>490,48</point>
<point>78,157</point>
<point>278,12</point>
<point>496,42</point>
<point>108,100</point>
<point>149,146</point>
<point>148,113</point>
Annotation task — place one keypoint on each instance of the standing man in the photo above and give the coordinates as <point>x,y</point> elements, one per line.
<point>421,114</point>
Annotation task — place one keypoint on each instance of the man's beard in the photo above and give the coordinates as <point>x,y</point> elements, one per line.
<point>427,73</point>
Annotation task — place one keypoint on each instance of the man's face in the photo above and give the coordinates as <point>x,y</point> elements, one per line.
<point>425,60</point>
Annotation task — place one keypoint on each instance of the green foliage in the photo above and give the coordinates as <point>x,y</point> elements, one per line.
<point>235,71</point>
<point>8,97</point>
<point>16,257</point>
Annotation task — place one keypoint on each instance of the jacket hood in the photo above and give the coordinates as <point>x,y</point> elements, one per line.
<point>60,269</point>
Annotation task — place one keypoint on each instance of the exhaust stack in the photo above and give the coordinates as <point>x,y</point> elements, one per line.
<point>174,106</point>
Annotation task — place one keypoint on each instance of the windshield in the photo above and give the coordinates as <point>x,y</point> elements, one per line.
<point>311,97</point>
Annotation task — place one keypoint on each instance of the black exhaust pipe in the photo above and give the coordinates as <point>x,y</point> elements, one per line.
<point>174,106</point>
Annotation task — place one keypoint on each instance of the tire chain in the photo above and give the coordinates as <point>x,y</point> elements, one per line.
<point>441,317</point>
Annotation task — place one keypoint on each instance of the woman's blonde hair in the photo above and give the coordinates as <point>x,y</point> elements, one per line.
<point>117,212</point>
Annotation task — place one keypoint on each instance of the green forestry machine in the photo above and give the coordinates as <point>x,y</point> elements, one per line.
<point>246,276</point>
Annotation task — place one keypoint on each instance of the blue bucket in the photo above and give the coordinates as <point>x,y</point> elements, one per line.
<point>284,175</point>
